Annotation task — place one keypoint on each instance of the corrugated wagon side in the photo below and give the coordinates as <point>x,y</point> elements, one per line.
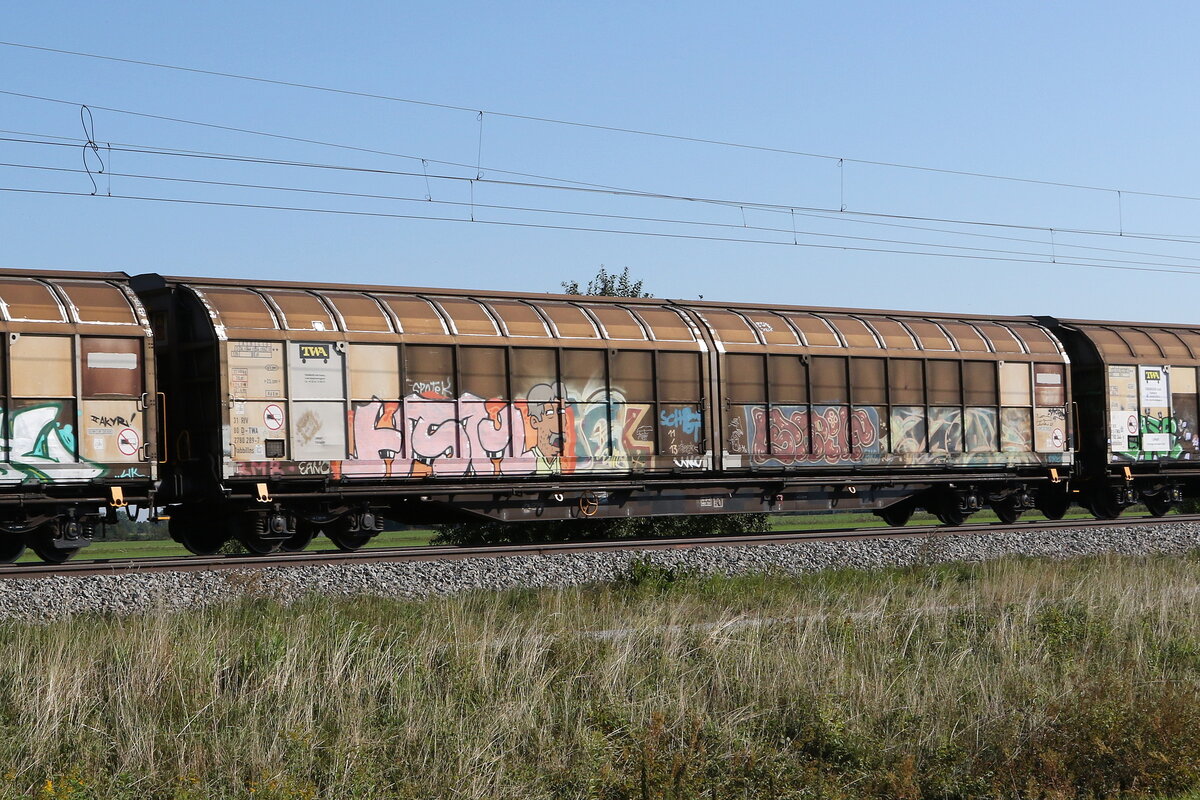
<point>305,409</point>
<point>326,408</point>
<point>79,408</point>
<point>892,411</point>
<point>1135,384</point>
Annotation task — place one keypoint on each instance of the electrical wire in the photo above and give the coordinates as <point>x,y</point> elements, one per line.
<point>589,214</point>
<point>837,216</point>
<point>583,229</point>
<point>582,214</point>
<point>872,218</point>
<point>298,139</point>
<point>601,127</point>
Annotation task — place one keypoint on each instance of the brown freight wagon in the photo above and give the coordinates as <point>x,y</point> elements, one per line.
<point>79,408</point>
<point>299,408</point>
<point>1135,388</point>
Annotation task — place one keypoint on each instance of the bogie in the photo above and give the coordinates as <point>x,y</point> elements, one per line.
<point>264,532</point>
<point>59,539</point>
<point>952,507</point>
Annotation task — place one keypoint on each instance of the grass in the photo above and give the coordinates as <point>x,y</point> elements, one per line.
<point>1013,678</point>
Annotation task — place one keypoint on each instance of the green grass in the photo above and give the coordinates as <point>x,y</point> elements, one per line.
<point>1014,678</point>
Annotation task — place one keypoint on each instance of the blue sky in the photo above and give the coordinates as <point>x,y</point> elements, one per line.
<point>1089,94</point>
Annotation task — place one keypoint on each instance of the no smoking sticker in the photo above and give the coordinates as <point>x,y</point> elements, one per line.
<point>128,441</point>
<point>273,417</point>
<point>1132,424</point>
<point>1056,438</point>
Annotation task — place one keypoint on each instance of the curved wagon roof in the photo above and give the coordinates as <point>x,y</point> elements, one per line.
<point>377,313</point>
<point>99,303</point>
<point>878,333</point>
<point>1140,343</point>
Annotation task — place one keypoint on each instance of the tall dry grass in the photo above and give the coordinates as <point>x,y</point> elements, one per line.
<point>1012,678</point>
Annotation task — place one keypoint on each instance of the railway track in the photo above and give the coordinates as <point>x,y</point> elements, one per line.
<point>453,553</point>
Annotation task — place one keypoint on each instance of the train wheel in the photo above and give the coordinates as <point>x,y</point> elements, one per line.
<point>343,538</point>
<point>41,541</point>
<point>305,531</point>
<point>948,509</point>
<point>257,544</point>
<point>12,546</point>
<point>199,535</point>
<point>1007,510</point>
<point>1158,504</point>
<point>263,533</point>
<point>1103,505</point>
<point>1053,504</point>
<point>260,546</point>
<point>896,515</point>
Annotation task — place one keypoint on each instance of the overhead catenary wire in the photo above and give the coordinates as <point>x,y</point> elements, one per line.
<point>872,218</point>
<point>297,139</point>
<point>624,217</point>
<point>576,228</point>
<point>597,126</point>
<point>779,208</point>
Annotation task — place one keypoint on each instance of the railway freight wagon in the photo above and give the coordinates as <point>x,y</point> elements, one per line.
<point>79,408</point>
<point>892,411</point>
<point>1135,386</point>
<point>299,409</point>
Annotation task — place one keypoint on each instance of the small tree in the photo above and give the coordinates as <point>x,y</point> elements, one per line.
<point>605,284</point>
<point>608,284</point>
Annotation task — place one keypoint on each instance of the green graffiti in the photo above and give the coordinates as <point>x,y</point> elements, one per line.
<point>1182,441</point>
<point>38,441</point>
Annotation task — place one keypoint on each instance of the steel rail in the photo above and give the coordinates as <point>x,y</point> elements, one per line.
<point>116,566</point>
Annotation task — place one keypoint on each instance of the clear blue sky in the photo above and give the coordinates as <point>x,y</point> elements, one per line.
<point>1095,94</point>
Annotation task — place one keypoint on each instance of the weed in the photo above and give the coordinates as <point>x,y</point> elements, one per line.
<point>1022,677</point>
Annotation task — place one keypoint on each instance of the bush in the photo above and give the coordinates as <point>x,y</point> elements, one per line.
<point>642,573</point>
<point>127,530</point>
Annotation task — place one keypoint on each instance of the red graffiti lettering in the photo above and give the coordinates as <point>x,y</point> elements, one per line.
<point>796,436</point>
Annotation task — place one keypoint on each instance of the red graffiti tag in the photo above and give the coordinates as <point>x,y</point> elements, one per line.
<point>833,429</point>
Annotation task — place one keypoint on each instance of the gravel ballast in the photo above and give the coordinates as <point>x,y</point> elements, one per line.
<point>46,599</point>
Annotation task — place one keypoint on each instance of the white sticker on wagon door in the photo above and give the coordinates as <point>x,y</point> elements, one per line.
<point>250,432</point>
<point>1152,384</point>
<point>256,370</point>
<point>1122,406</point>
<point>112,431</point>
<point>315,371</point>
<point>318,431</point>
<point>1155,411</point>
